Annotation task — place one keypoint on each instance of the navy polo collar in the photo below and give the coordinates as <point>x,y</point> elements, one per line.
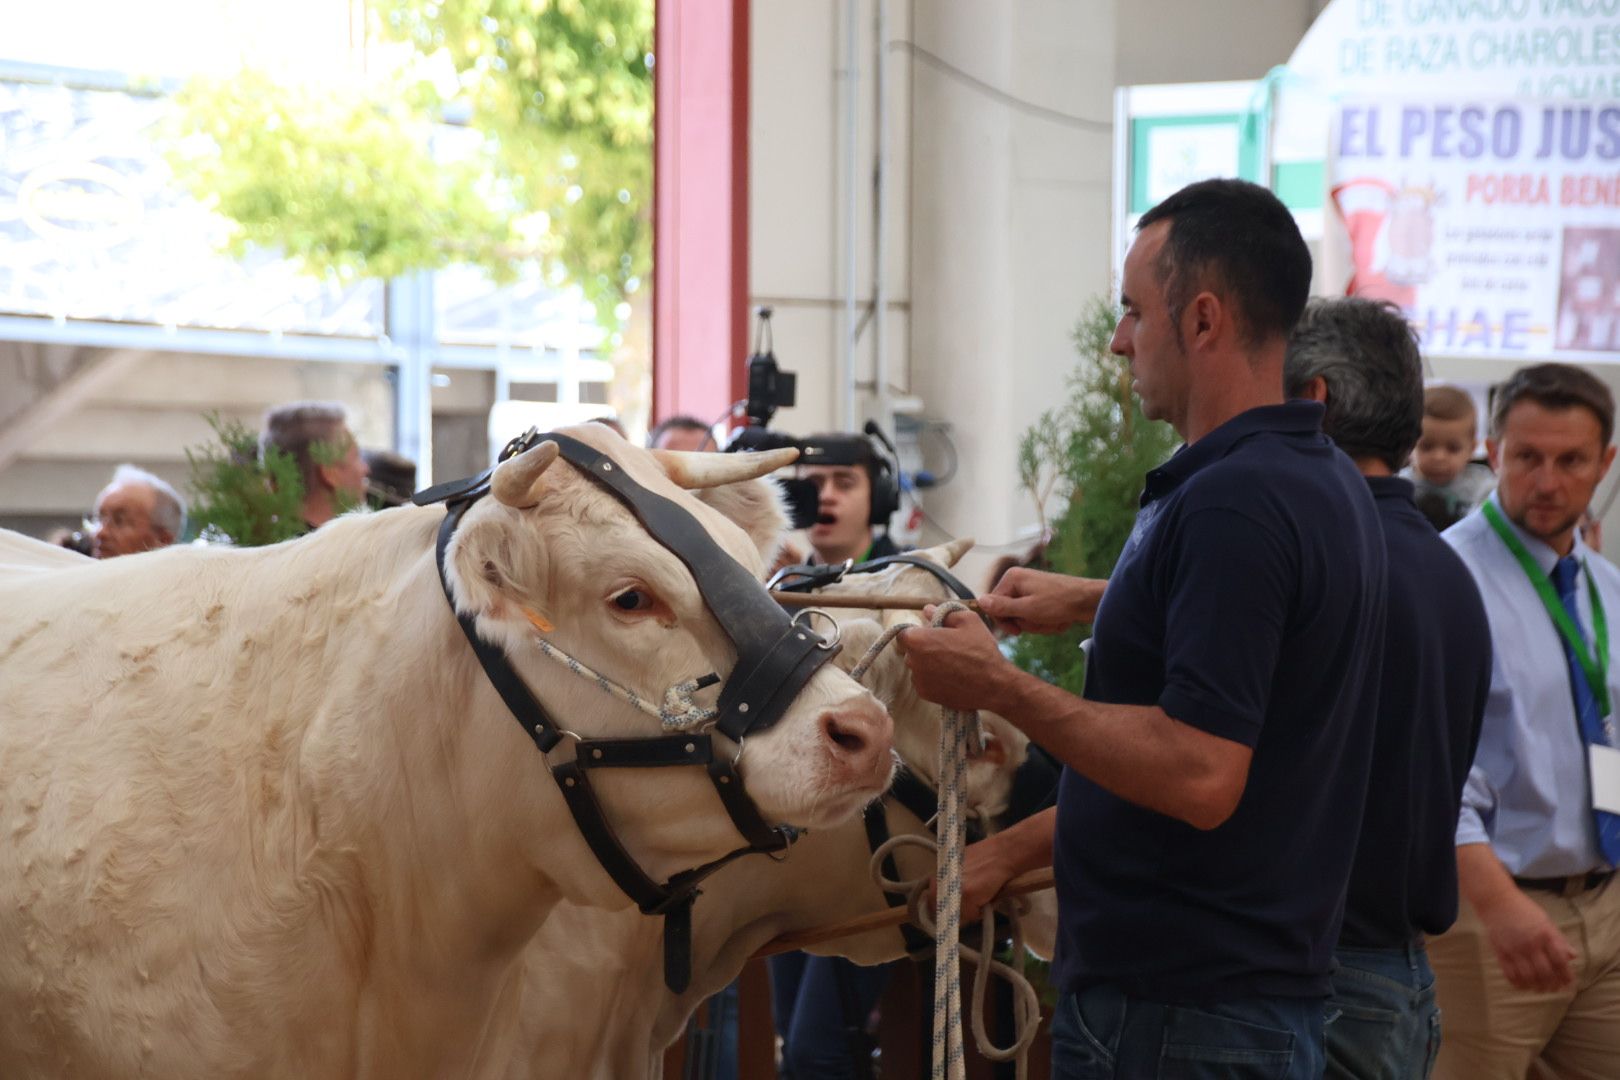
<point>1391,487</point>
<point>1290,418</point>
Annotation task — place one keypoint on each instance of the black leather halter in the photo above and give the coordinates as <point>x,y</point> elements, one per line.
<point>810,577</point>
<point>908,789</point>
<point>776,656</point>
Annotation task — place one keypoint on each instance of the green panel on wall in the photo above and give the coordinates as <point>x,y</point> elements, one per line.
<point>1247,127</point>
<point>1300,184</point>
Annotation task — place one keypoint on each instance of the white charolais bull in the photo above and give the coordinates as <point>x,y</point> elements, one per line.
<point>595,1006</point>
<point>263,815</point>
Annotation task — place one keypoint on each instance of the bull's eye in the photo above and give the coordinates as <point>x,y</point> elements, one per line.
<point>633,600</point>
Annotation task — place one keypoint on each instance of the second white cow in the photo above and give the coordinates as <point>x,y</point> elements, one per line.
<point>594,1003</point>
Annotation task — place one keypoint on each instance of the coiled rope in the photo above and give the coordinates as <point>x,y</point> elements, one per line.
<point>945,922</point>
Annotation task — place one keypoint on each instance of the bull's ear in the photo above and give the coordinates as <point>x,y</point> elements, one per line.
<point>947,555</point>
<point>755,506</point>
<point>491,576</point>
<point>516,481</point>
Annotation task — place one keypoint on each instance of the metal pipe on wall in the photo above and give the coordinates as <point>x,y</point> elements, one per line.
<point>846,410</point>
<point>880,166</point>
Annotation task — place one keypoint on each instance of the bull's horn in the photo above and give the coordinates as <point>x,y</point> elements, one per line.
<point>515,479</point>
<point>948,554</point>
<point>956,549</point>
<point>692,470</point>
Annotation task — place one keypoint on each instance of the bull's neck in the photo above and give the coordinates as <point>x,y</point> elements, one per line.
<point>435,808</point>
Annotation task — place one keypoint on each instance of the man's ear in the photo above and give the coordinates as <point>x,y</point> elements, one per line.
<point>1206,318</point>
<point>1493,454</point>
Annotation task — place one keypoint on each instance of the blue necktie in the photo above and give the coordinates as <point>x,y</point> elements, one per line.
<point>1586,709</point>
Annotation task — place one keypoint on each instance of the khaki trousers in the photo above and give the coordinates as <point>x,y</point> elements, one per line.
<point>1492,1031</point>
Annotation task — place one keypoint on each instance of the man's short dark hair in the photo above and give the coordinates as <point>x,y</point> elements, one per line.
<point>298,428</point>
<point>1238,240</point>
<point>1554,386</point>
<point>678,422</point>
<point>1367,354</point>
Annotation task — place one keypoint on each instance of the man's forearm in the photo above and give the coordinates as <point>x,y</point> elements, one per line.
<point>1027,845</point>
<point>1482,879</point>
<point>1134,751</point>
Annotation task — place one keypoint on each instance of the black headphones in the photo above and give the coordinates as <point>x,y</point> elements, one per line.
<point>885,473</point>
<point>885,484</point>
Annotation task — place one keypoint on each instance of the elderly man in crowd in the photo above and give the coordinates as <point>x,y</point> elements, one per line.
<point>1217,764</point>
<point>316,435</point>
<point>136,512</point>
<point>1532,968</point>
<point>1360,359</point>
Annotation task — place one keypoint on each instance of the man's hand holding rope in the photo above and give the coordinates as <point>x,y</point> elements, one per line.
<point>957,665</point>
<point>1040,602</point>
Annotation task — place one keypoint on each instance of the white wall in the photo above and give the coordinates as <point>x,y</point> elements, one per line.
<point>799,202</point>
<point>996,220</point>
<point>1010,232</point>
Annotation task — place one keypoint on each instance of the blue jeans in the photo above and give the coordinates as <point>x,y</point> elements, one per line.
<point>1100,1032</point>
<point>1383,1023</point>
<point>816,1000</point>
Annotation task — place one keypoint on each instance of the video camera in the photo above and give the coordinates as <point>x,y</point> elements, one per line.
<point>770,388</point>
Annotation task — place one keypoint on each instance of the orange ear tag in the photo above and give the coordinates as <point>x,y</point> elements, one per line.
<point>540,621</point>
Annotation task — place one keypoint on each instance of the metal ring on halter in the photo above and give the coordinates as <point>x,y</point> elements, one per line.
<point>738,755</point>
<point>837,631</point>
<point>576,736</point>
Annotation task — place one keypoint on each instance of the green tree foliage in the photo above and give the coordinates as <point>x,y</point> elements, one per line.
<point>1096,448</point>
<point>239,498</point>
<point>549,166</point>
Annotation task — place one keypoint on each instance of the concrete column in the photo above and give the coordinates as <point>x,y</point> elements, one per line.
<point>962,262</point>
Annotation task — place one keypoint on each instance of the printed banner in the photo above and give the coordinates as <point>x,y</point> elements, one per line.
<point>1496,227</point>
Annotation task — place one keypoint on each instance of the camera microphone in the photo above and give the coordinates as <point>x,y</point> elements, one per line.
<point>876,432</point>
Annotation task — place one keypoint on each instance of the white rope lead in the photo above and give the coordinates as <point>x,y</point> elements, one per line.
<point>958,731</point>
<point>678,712</point>
<point>1009,911</point>
<point>949,1060</point>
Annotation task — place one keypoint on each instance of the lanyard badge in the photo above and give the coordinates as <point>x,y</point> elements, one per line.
<point>1595,669</point>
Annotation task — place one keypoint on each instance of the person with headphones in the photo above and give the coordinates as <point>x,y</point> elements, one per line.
<point>857,493</point>
<point>822,1004</point>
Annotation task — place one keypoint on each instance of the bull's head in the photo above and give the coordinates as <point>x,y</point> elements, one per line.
<point>552,549</point>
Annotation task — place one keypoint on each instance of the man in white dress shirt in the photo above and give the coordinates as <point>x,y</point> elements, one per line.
<point>1531,970</point>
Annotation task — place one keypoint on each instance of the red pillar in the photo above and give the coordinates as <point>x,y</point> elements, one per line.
<point>700,206</point>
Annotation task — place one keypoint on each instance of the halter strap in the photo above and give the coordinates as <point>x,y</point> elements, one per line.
<point>776,657</point>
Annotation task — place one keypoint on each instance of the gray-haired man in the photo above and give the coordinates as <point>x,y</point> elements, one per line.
<point>1360,358</point>
<point>136,512</point>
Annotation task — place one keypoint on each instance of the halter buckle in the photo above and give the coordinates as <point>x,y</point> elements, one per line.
<point>808,623</point>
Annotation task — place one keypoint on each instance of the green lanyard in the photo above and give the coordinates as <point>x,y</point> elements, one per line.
<point>1597,673</point>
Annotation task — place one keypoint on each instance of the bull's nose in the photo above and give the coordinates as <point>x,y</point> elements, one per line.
<point>858,736</point>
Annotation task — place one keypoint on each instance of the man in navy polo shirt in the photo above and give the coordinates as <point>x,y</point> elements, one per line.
<point>1360,359</point>
<point>1215,769</point>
